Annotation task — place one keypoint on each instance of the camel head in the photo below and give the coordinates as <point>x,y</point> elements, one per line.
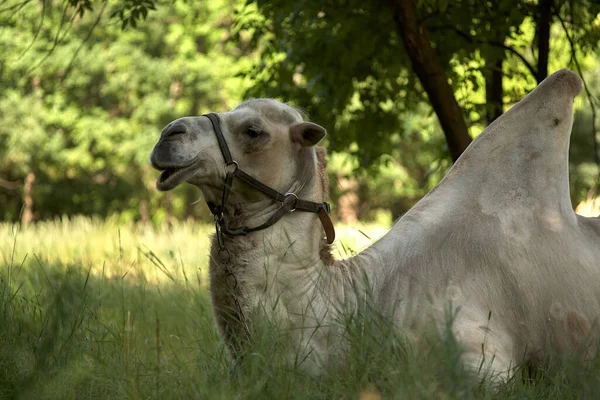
<point>268,140</point>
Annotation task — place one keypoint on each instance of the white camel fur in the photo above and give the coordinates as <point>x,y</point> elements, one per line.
<point>498,235</point>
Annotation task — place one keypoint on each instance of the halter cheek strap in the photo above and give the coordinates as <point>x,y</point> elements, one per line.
<point>289,201</point>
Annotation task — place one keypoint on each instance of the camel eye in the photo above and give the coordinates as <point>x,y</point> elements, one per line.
<point>253,132</point>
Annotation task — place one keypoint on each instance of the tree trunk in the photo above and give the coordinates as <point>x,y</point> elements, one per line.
<point>348,202</point>
<point>431,74</point>
<point>27,216</point>
<point>543,37</point>
<point>10,185</point>
<point>168,204</point>
<point>144,214</point>
<point>493,86</point>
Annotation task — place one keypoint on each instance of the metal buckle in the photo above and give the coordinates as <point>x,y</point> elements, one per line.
<point>228,166</point>
<point>288,195</point>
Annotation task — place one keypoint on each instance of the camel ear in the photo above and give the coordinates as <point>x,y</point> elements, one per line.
<point>307,134</point>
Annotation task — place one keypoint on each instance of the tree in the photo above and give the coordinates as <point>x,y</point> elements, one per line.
<point>431,74</point>
<point>83,101</point>
<point>331,56</point>
<point>363,69</point>
<point>104,77</point>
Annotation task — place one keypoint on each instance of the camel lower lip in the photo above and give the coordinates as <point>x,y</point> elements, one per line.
<point>173,177</point>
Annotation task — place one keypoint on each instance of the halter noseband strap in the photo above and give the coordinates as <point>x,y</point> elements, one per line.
<point>289,202</point>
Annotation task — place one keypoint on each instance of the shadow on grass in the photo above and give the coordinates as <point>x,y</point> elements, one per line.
<point>66,333</point>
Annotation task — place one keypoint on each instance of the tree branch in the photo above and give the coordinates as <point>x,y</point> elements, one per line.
<point>516,53</point>
<point>89,34</point>
<point>426,65</point>
<point>18,7</point>
<point>10,185</point>
<point>495,43</point>
<point>58,38</point>
<point>39,29</point>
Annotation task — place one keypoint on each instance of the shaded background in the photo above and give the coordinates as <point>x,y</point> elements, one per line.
<point>86,86</point>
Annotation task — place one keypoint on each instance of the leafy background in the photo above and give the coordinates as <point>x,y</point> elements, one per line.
<point>86,86</point>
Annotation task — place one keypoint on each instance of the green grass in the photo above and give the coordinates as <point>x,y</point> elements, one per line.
<point>90,309</point>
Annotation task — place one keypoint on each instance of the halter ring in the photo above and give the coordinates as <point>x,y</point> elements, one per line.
<point>288,195</point>
<point>228,166</point>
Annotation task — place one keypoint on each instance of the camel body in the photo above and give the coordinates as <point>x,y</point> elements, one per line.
<point>497,239</point>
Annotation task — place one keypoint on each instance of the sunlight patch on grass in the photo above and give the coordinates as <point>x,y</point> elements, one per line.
<point>160,254</point>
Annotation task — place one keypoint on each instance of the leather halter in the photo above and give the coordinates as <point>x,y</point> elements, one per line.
<point>289,201</point>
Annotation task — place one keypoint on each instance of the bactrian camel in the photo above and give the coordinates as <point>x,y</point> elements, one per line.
<point>497,237</point>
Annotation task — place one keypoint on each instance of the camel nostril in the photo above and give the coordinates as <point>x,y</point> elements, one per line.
<point>175,129</point>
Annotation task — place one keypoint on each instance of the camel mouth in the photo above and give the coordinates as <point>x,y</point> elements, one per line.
<point>170,178</point>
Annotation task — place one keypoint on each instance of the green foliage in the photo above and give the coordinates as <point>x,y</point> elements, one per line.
<point>345,64</point>
<point>132,11</point>
<point>584,172</point>
<point>84,115</point>
<point>86,86</point>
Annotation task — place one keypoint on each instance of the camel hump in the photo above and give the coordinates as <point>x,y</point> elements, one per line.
<point>520,161</point>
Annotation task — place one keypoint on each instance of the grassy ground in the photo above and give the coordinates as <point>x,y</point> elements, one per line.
<point>90,309</point>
